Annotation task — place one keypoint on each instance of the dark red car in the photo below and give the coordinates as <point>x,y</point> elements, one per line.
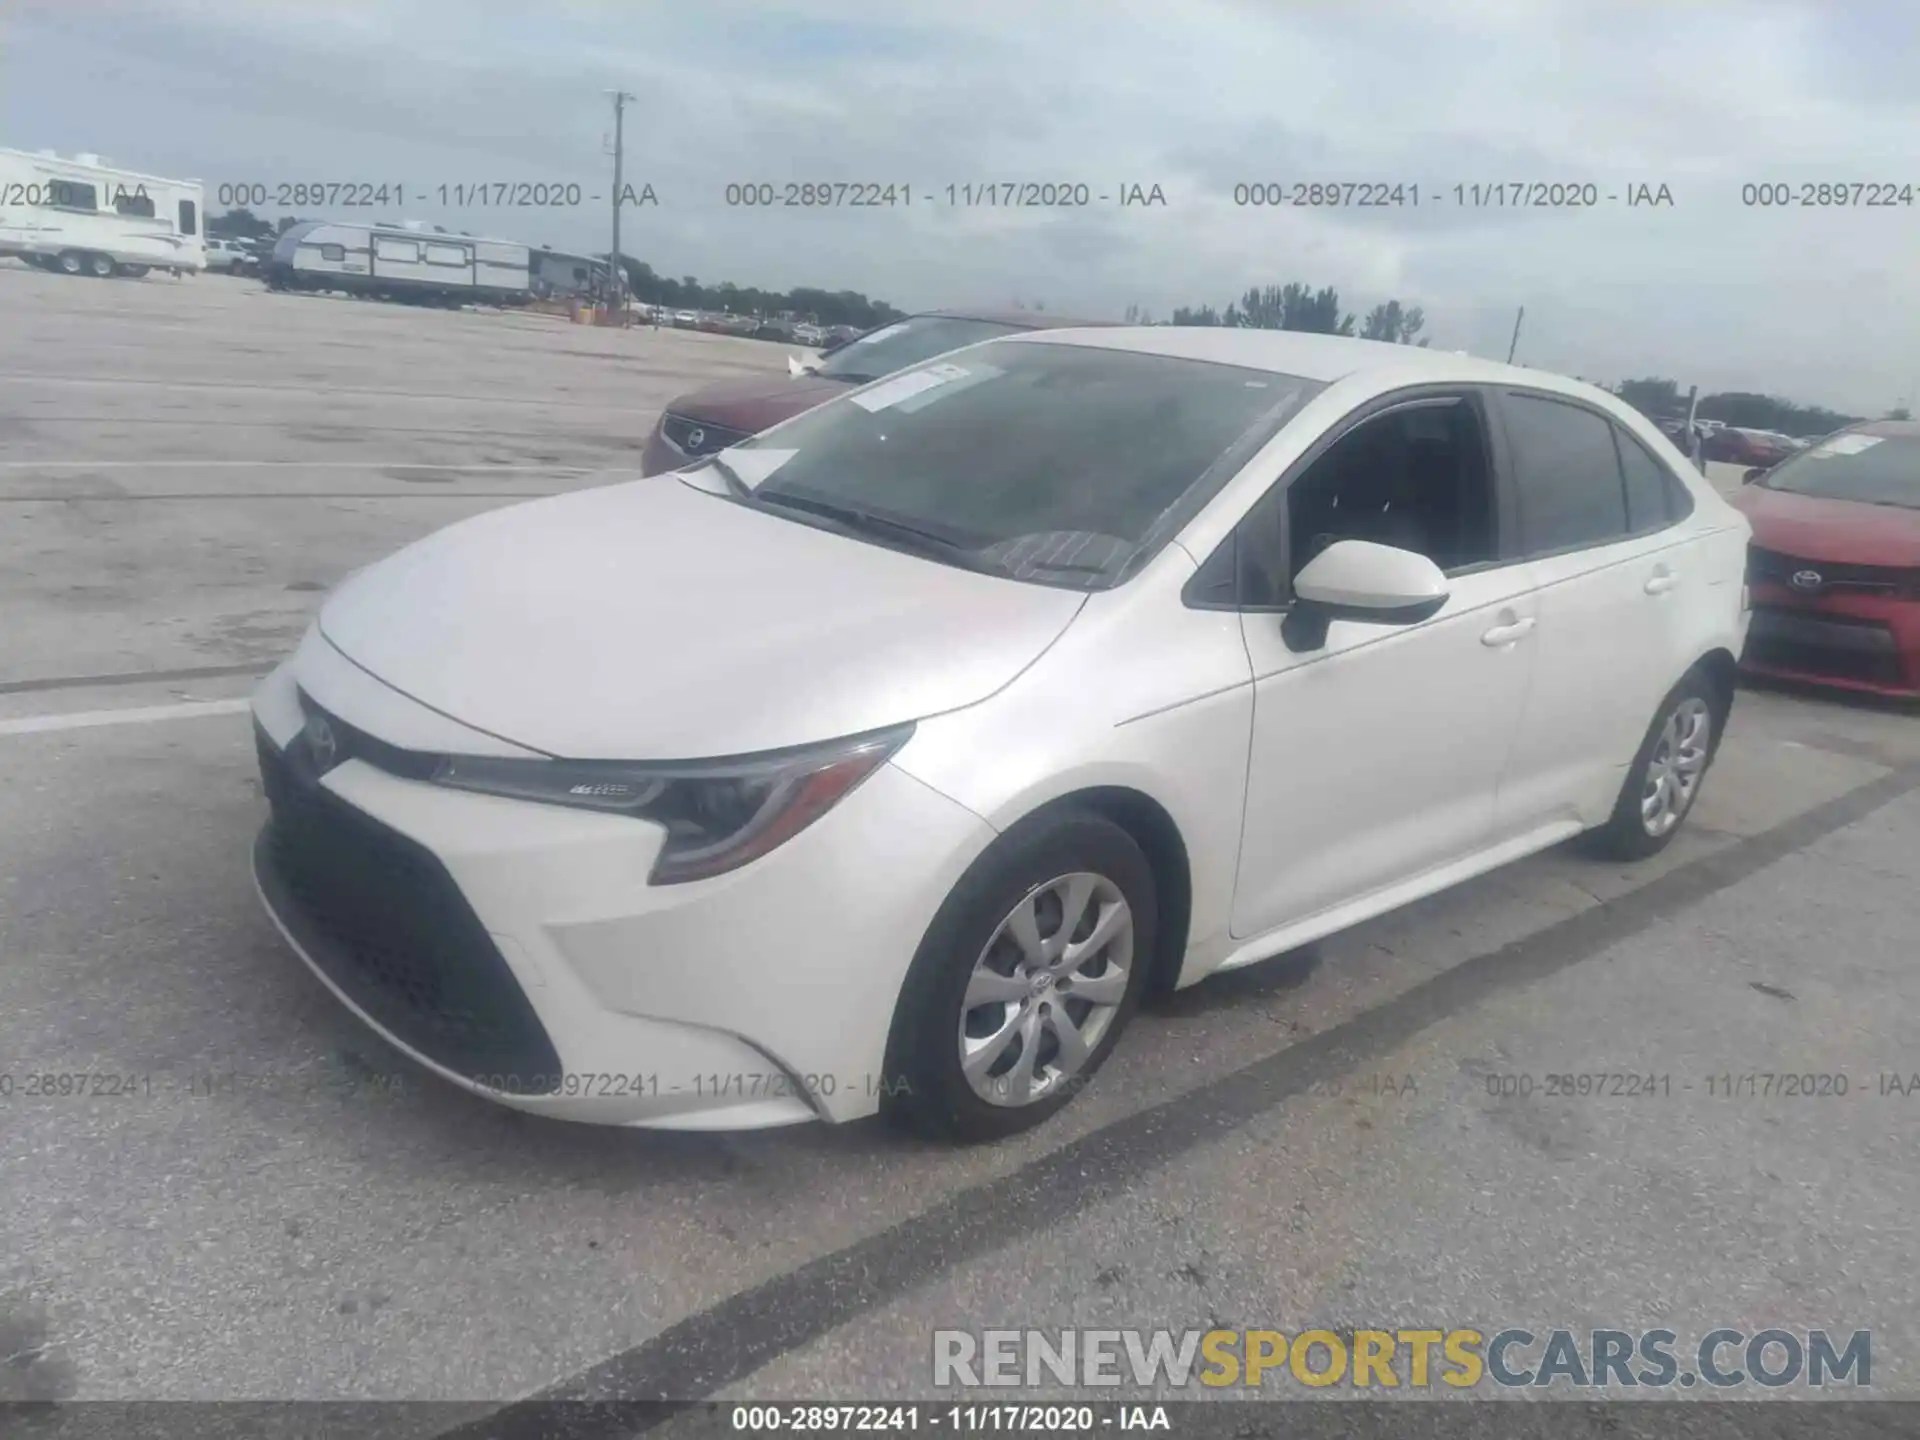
<point>697,424</point>
<point>1834,567</point>
<point>1733,446</point>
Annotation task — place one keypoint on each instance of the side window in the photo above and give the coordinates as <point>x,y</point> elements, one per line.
<point>1649,486</point>
<point>1568,474</point>
<point>1415,476</point>
<point>72,195</point>
<point>189,218</point>
<point>134,204</point>
<point>334,253</point>
<point>448,255</point>
<point>407,250</point>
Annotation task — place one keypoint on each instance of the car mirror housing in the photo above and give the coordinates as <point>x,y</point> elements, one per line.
<point>1753,474</point>
<point>1359,580</point>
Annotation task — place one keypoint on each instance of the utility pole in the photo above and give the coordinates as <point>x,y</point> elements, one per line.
<point>1514,344</point>
<point>617,273</point>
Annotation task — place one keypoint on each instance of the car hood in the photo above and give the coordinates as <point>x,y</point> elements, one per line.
<point>1842,531</point>
<point>655,621</point>
<point>752,405</point>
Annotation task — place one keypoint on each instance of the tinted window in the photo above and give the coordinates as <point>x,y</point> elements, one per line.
<point>1873,469</point>
<point>1567,472</point>
<point>72,195</point>
<point>189,218</point>
<point>895,347</point>
<point>137,203</point>
<point>1650,489</point>
<point>1052,463</point>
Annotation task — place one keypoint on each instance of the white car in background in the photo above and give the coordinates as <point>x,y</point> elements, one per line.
<point>882,761</point>
<point>227,255</point>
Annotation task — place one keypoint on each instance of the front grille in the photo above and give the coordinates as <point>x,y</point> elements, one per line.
<point>1831,646</point>
<point>380,915</point>
<point>698,438</point>
<point>1773,567</point>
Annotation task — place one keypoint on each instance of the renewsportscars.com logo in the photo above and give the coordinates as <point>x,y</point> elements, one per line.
<point>1399,1359</point>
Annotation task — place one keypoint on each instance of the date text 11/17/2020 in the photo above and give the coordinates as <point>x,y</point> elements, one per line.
<point>460,195</point>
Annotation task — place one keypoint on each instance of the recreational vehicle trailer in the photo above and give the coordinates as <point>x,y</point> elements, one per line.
<point>81,216</point>
<point>399,262</point>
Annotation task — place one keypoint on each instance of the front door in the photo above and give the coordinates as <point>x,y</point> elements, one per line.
<point>1377,757</point>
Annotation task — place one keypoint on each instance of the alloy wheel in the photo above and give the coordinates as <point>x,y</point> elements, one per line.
<point>1674,769</point>
<point>1046,989</point>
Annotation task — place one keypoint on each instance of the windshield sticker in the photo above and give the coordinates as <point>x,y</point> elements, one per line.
<point>904,387</point>
<point>755,467</point>
<point>1845,445</point>
<point>884,333</point>
<point>972,375</point>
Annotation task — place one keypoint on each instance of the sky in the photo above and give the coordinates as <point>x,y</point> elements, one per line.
<point>1817,304</point>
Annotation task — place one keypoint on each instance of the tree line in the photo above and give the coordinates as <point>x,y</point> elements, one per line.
<point>1295,306</point>
<point>1292,306</point>
<point>1659,399</point>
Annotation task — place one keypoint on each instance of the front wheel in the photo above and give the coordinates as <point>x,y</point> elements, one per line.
<point>1025,980</point>
<point>1664,780</point>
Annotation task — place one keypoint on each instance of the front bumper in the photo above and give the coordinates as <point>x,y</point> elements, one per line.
<point>518,951</point>
<point>1864,643</point>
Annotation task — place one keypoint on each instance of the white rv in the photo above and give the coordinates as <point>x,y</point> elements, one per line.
<point>405,262</point>
<point>81,216</point>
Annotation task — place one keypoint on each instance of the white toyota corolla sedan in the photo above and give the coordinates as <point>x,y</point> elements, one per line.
<point>885,760</point>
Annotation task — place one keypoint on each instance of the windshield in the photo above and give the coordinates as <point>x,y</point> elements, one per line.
<point>895,347</point>
<point>1872,469</point>
<point>1059,464</point>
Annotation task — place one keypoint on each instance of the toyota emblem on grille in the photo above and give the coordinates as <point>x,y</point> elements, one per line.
<point>1808,580</point>
<point>696,437</point>
<point>322,744</point>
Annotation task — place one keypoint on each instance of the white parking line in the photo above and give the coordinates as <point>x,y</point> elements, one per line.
<point>145,715</point>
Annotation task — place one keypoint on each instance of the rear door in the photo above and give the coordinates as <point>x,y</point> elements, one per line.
<point>1598,517</point>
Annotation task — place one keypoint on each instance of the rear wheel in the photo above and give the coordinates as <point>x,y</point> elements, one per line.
<point>101,267</point>
<point>1025,980</point>
<point>1664,780</point>
<point>70,262</point>
<point>133,272</point>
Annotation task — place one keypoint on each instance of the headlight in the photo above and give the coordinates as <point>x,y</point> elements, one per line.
<point>718,814</point>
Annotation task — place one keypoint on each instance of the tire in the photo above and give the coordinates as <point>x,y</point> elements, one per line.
<point>70,262</point>
<point>1689,721</point>
<point>101,267</point>
<point>1038,869</point>
<point>132,272</point>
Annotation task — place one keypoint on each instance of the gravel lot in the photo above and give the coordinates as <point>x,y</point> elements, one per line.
<point>185,466</point>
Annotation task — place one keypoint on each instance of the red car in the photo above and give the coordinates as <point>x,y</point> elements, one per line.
<point>697,424</point>
<point>1733,446</point>
<point>1834,568</point>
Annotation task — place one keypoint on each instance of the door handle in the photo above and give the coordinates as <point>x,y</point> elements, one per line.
<point>1661,582</point>
<point>1507,634</point>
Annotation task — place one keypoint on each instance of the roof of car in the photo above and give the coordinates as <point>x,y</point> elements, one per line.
<point>1891,429</point>
<point>1024,319</point>
<point>1323,358</point>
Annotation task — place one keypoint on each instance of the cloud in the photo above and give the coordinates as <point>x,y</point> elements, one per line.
<point>1197,98</point>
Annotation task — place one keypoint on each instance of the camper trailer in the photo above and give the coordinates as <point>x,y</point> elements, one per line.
<point>78,215</point>
<point>406,262</point>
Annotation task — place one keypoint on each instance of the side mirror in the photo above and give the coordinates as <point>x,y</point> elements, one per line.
<point>1359,580</point>
<point>1752,475</point>
<point>797,366</point>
